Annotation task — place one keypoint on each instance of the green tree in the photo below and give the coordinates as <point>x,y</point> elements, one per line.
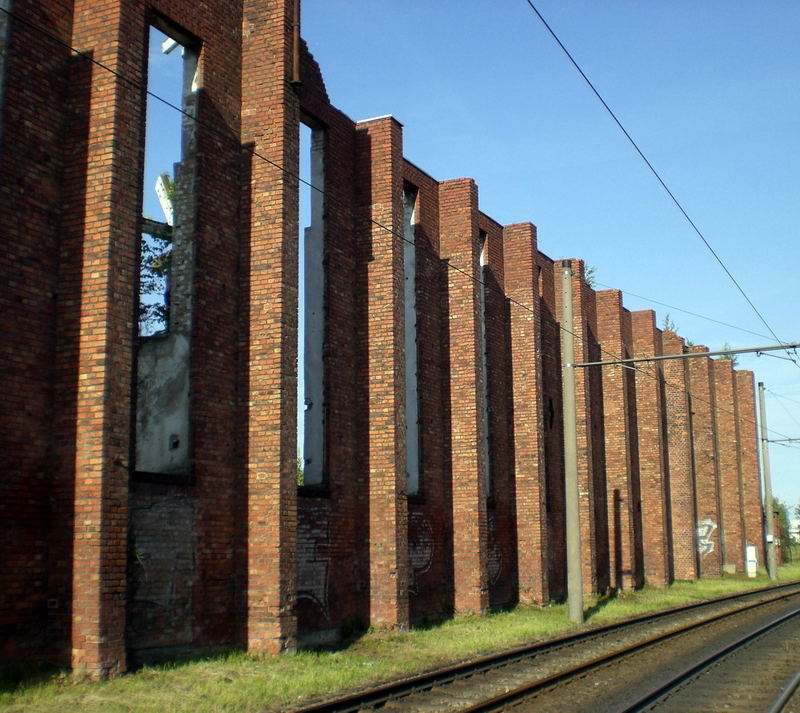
<point>785,542</point>
<point>730,357</point>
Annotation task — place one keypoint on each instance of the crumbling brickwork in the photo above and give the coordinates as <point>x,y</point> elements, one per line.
<point>105,563</point>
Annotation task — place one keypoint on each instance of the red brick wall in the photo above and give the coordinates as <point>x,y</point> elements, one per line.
<point>621,467</point>
<point>748,455</point>
<point>35,587</point>
<point>431,511</point>
<point>530,488</point>
<point>681,466</point>
<point>591,481</point>
<point>104,566</point>
<point>458,216</point>
<point>501,498</point>
<point>653,464</point>
<point>379,155</point>
<point>553,426</point>
<point>729,466</point>
<point>706,463</point>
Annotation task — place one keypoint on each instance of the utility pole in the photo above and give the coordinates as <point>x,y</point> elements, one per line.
<point>762,417</point>
<point>574,577</point>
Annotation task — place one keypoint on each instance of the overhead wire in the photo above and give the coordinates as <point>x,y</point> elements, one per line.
<point>655,173</point>
<point>685,311</point>
<point>290,174</point>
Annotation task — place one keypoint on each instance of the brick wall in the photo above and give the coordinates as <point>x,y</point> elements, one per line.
<point>752,511</point>
<point>729,466</point>
<point>530,487</point>
<point>653,459</point>
<point>681,465</point>
<point>706,463</point>
<point>105,565</point>
<point>621,465</point>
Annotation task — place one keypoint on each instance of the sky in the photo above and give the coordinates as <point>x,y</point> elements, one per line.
<point>710,91</point>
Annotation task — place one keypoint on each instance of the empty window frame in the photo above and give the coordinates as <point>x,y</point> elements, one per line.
<point>311,306</point>
<point>172,77</point>
<point>166,274</point>
<point>411,341</point>
<point>484,362</point>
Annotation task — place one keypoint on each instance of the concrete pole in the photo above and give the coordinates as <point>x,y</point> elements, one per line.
<point>762,417</point>
<point>574,555</point>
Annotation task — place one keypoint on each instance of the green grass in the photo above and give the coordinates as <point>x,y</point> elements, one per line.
<point>241,682</point>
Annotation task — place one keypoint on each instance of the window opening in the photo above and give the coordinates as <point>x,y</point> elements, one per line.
<point>166,267</point>
<point>411,342</point>
<point>487,459</point>
<point>311,308</point>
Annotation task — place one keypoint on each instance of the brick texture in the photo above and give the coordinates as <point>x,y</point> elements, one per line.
<point>653,457</point>
<point>621,452</point>
<point>679,452</point>
<point>522,288</point>
<point>104,567</point>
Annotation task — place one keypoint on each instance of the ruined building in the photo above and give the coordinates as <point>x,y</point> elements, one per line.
<point>149,497</point>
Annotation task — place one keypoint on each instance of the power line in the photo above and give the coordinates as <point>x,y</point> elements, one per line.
<point>350,211</point>
<point>686,311</point>
<point>653,171</point>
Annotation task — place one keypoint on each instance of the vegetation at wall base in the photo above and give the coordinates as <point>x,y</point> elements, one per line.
<point>242,682</point>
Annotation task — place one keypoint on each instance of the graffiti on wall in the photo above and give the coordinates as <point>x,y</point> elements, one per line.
<point>705,545</point>
<point>495,559</point>
<point>313,563</point>
<point>420,548</point>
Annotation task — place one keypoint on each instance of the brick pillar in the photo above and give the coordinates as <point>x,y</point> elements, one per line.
<point>729,466</point>
<point>748,454</point>
<point>458,221</point>
<point>652,451</point>
<point>379,161</point>
<point>583,318</point>
<point>270,119</point>
<point>681,466</point>
<point>706,463</point>
<point>95,340</point>
<point>622,474</point>
<point>522,288</point>
<point>553,432</point>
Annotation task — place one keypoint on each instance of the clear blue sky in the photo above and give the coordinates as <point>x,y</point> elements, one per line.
<point>711,92</point>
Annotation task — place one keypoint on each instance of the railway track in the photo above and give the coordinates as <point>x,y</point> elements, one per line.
<point>543,676</point>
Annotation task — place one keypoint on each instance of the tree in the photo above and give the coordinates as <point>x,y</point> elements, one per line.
<point>730,357</point>
<point>155,260</point>
<point>785,538</point>
<point>590,276</point>
<point>669,325</point>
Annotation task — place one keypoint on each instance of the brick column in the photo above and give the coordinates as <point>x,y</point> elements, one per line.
<point>95,340</point>
<point>652,451</point>
<point>681,466</point>
<point>622,474</point>
<point>706,464</point>
<point>583,317</point>
<point>748,454</point>
<point>270,119</point>
<point>729,466</point>
<point>379,164</point>
<point>458,214</point>
<point>522,288</point>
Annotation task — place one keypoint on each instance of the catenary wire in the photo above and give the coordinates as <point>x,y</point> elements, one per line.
<point>290,174</point>
<point>685,311</point>
<point>655,173</point>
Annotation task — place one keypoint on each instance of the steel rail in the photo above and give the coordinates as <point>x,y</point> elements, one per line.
<point>691,671</point>
<point>786,694</point>
<point>395,690</point>
<point>528,689</point>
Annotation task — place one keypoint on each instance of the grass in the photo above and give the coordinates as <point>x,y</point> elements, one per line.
<point>239,682</point>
